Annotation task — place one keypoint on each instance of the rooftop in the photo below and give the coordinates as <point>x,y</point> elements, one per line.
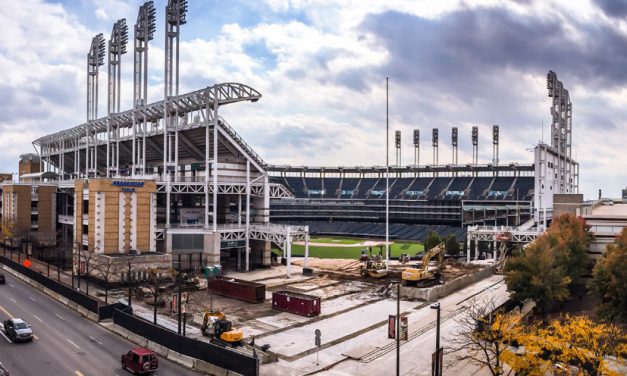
<point>616,209</point>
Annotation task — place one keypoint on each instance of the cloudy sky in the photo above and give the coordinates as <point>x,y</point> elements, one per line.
<point>321,67</point>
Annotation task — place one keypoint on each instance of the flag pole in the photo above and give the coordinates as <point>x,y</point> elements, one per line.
<point>387,179</point>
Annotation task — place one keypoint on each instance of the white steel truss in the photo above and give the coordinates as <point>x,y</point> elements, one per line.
<point>490,234</point>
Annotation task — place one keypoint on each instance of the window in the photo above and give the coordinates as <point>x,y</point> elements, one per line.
<point>187,242</point>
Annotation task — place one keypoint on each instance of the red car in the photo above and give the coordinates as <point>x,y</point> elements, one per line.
<point>140,360</point>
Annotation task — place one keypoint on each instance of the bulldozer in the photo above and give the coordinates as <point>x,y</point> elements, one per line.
<point>420,275</point>
<point>375,268</point>
<point>215,324</point>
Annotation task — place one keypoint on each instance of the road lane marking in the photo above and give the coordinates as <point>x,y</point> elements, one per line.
<point>73,344</point>
<point>78,373</point>
<point>6,312</point>
<point>59,316</point>
<point>37,317</point>
<point>13,300</point>
<point>5,337</point>
<point>95,340</point>
<point>33,299</point>
<point>10,284</point>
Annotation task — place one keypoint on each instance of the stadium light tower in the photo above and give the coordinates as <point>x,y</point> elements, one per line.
<point>144,32</point>
<point>397,144</point>
<point>475,145</point>
<point>117,48</point>
<point>434,143</point>
<point>175,13</point>
<point>495,145</point>
<point>95,59</point>
<point>454,141</point>
<point>561,126</point>
<point>416,147</point>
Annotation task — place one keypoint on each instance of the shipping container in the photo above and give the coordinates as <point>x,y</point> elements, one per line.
<point>238,289</point>
<point>293,302</point>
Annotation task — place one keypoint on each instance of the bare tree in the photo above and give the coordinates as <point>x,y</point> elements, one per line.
<point>105,269</point>
<point>87,256</point>
<point>130,258</point>
<point>155,275</point>
<point>482,338</point>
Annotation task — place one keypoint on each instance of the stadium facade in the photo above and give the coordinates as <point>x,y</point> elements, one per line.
<point>173,178</point>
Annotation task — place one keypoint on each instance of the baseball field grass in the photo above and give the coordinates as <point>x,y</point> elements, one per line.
<point>351,252</point>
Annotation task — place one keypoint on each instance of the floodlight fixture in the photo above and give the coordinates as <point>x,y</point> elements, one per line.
<point>176,12</point>
<point>96,53</point>
<point>434,137</point>
<point>146,22</point>
<point>416,137</point>
<point>454,136</point>
<point>119,37</point>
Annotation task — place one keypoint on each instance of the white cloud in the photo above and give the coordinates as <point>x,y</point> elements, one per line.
<point>323,84</point>
<point>101,14</point>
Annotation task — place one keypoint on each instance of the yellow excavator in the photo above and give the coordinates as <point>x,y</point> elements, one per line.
<point>420,275</point>
<point>214,323</point>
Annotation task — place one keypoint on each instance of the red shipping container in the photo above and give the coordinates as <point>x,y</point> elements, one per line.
<point>238,289</point>
<point>293,302</point>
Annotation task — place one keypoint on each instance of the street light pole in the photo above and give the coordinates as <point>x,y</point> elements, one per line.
<point>437,366</point>
<point>178,303</point>
<point>398,329</point>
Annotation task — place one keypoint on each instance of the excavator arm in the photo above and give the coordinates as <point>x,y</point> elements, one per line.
<point>422,273</point>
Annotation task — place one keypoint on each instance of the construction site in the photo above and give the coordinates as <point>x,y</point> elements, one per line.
<point>352,299</point>
<point>187,217</point>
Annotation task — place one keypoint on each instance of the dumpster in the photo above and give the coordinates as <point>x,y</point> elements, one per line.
<point>293,302</point>
<point>238,289</point>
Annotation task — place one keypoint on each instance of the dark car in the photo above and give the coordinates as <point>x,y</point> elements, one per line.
<point>140,360</point>
<point>18,330</point>
<point>2,280</point>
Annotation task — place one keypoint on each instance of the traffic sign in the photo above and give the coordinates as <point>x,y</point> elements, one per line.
<point>318,333</point>
<point>404,328</point>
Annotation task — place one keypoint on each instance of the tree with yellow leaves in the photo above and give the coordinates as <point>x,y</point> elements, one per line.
<point>595,348</point>
<point>610,279</point>
<point>482,338</point>
<point>505,345</point>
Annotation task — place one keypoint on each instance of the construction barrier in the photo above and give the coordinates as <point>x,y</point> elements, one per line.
<point>86,301</point>
<point>222,357</point>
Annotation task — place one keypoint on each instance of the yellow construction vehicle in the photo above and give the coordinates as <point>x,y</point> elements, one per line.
<point>214,323</point>
<point>420,275</point>
<point>374,268</point>
<point>224,334</point>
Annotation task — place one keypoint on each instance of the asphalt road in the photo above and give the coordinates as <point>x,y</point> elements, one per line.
<point>65,343</point>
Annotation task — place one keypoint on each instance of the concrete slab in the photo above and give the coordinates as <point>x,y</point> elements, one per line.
<point>295,341</point>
